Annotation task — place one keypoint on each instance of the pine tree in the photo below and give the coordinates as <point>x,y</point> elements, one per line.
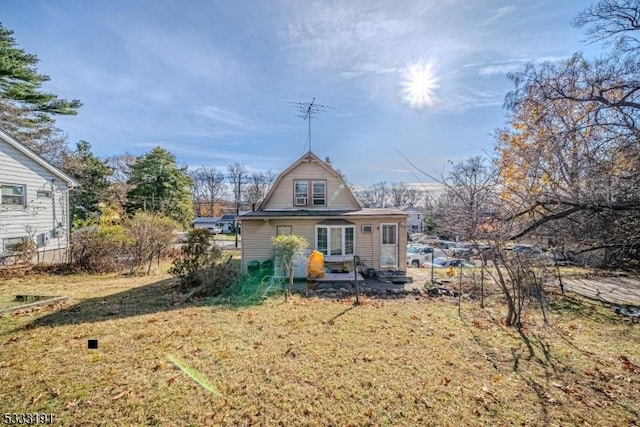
<point>158,185</point>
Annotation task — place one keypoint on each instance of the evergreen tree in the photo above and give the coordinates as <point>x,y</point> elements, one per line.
<point>158,185</point>
<point>93,176</point>
<point>27,111</point>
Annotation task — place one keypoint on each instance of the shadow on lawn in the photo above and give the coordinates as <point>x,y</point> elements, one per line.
<point>152,298</point>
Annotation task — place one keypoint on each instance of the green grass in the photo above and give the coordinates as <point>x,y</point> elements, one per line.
<point>227,237</point>
<point>309,361</point>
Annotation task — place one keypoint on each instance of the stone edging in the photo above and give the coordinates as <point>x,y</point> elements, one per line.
<point>32,305</point>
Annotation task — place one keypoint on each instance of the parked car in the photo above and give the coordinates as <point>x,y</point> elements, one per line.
<point>419,255</point>
<point>454,249</point>
<point>527,250</point>
<point>216,229</point>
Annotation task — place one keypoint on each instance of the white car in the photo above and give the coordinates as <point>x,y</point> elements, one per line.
<point>214,229</point>
<point>420,255</point>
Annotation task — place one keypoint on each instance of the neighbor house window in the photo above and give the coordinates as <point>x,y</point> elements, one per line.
<point>13,195</point>
<point>335,240</point>
<point>9,243</point>
<point>300,193</point>
<point>319,190</point>
<point>43,194</point>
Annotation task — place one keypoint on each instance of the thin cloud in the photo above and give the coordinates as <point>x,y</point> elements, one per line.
<point>501,68</point>
<point>237,124</point>
<point>227,117</point>
<point>208,153</point>
<point>511,65</point>
<point>499,14</point>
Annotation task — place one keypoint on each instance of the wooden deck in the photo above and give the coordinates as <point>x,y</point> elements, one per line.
<point>337,278</point>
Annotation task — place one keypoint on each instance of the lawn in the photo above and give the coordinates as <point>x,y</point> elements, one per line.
<point>309,361</point>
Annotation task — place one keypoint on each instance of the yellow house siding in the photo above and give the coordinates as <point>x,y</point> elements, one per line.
<point>337,197</point>
<point>256,238</point>
<point>257,234</point>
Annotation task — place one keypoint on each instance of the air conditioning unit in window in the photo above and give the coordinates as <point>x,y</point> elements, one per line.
<point>367,228</point>
<point>301,201</point>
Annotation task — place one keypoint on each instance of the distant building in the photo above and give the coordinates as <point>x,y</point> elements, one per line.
<point>210,223</point>
<point>415,220</point>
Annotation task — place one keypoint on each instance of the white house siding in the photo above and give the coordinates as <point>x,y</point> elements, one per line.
<point>337,198</point>
<point>414,220</point>
<point>42,215</point>
<point>257,233</point>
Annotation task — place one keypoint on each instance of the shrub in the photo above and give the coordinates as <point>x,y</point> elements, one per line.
<point>200,269</point>
<point>151,236</point>
<point>285,249</point>
<point>96,251</point>
<point>24,251</point>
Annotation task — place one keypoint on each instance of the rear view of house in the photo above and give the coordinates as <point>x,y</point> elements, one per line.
<point>310,199</point>
<point>34,202</point>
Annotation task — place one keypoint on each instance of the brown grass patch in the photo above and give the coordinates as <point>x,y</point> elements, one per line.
<point>311,361</point>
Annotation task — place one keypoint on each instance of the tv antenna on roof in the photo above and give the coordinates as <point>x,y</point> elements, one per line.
<point>307,111</point>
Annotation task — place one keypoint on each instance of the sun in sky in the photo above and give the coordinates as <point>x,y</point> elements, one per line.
<point>418,85</point>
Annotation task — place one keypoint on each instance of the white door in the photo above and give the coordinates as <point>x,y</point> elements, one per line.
<point>389,245</point>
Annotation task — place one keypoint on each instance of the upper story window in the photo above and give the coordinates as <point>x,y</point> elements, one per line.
<point>319,189</point>
<point>301,193</point>
<point>13,195</point>
<point>309,193</point>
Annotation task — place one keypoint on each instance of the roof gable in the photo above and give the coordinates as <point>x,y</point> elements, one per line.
<point>327,169</point>
<point>8,139</point>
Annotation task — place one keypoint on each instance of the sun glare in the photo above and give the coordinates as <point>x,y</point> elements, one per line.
<point>419,83</point>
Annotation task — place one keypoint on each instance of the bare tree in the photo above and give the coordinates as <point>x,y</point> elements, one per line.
<point>398,194</point>
<point>379,193</point>
<point>570,157</point>
<point>468,201</point>
<point>120,165</point>
<point>237,176</point>
<point>612,21</point>
<point>209,187</point>
<point>258,184</point>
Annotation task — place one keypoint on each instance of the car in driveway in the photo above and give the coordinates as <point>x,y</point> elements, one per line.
<point>420,255</point>
<point>454,249</point>
<point>214,229</point>
<point>527,250</point>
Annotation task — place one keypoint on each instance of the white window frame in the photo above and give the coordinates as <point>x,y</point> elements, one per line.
<point>284,230</point>
<point>24,194</point>
<point>343,243</point>
<point>324,193</point>
<point>6,244</point>
<point>298,196</point>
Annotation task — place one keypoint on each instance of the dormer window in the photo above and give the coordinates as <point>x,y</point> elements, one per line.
<point>309,193</point>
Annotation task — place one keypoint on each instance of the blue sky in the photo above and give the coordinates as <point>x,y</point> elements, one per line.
<point>212,81</point>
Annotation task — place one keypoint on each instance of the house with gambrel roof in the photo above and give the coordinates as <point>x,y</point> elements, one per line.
<point>310,199</point>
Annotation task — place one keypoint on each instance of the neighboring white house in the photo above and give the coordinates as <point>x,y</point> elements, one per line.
<point>415,220</point>
<point>227,223</point>
<point>34,202</point>
<point>211,223</point>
